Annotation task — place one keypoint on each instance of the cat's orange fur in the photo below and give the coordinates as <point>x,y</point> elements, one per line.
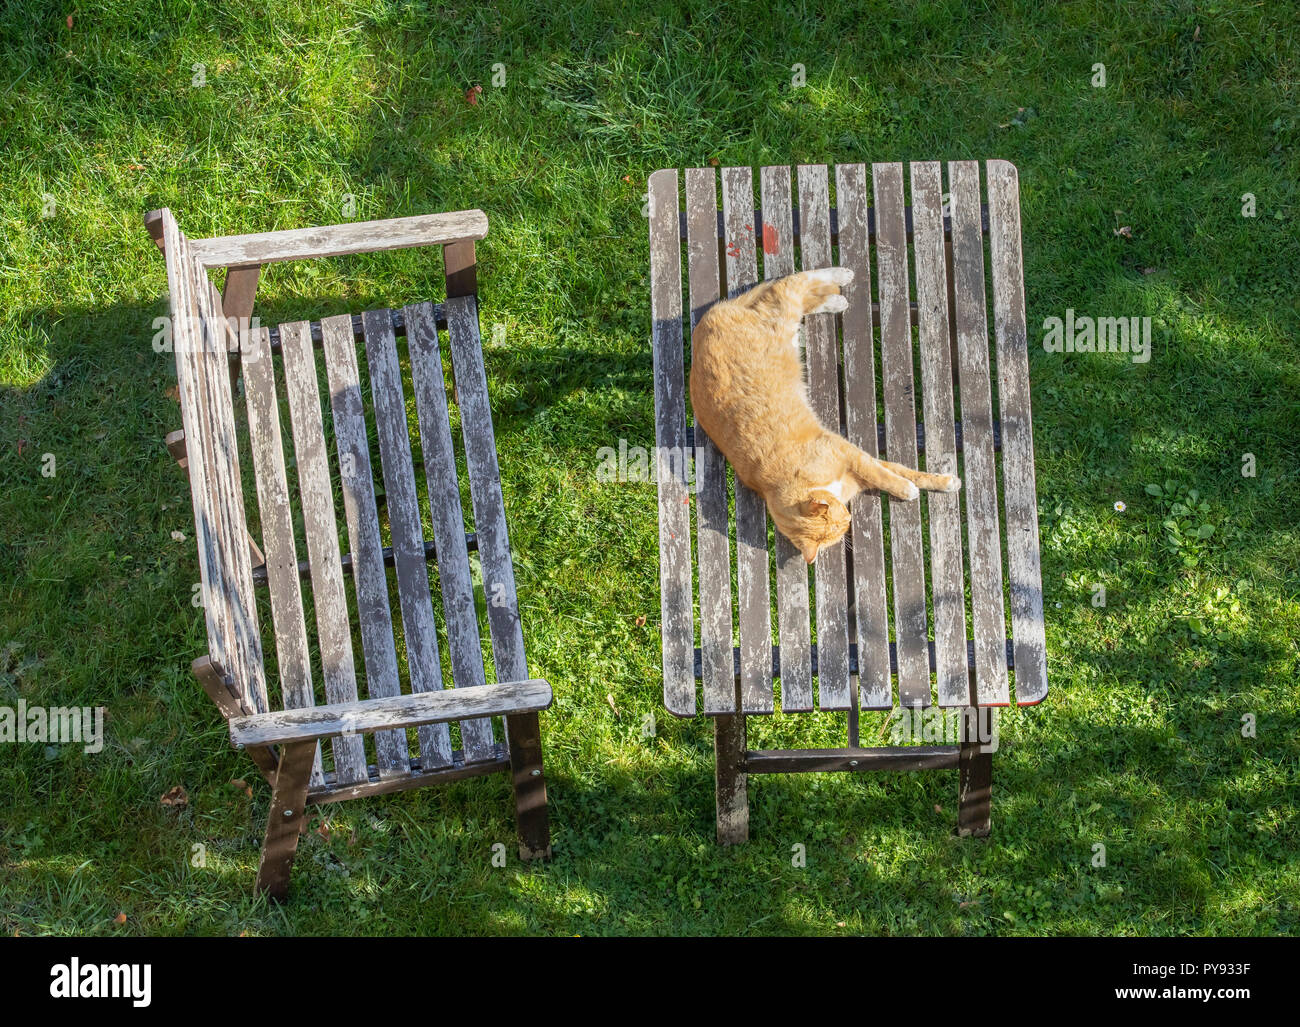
<point>748,393</point>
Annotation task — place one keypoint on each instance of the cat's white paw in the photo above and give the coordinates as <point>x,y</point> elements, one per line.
<point>911,492</point>
<point>954,484</point>
<point>833,305</point>
<point>839,275</point>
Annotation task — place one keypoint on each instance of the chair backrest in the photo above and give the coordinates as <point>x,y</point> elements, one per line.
<point>334,492</point>
<point>202,346</point>
<point>937,242</point>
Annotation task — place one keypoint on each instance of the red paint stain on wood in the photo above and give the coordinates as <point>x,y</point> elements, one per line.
<point>769,239</point>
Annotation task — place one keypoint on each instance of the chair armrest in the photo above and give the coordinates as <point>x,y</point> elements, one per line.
<point>301,725</point>
<point>340,240</point>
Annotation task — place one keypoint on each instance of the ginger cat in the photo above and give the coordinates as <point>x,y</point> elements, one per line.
<point>748,393</point>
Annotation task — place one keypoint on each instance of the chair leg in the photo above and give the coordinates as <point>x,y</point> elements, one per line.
<point>288,799</point>
<point>730,783</point>
<point>974,791</point>
<point>524,734</point>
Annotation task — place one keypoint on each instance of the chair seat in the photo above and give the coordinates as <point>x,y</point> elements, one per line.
<point>400,711</point>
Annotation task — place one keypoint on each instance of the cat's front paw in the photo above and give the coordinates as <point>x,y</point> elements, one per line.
<point>841,276</point>
<point>951,483</point>
<point>832,305</point>
<point>908,492</point>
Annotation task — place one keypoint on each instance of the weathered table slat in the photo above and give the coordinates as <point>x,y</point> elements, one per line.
<point>713,537</point>
<point>676,620</point>
<point>793,615</point>
<point>293,655</point>
<point>980,483</point>
<point>321,529</point>
<point>485,490</point>
<point>870,609</point>
<point>908,565</point>
<point>754,592</point>
<point>356,480</point>
<point>947,582</point>
<point>418,626</point>
<point>824,391</point>
<point>448,517</point>
<point>1018,486</point>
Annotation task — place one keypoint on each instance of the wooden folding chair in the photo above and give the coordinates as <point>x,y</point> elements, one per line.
<point>318,705</point>
<point>860,649</point>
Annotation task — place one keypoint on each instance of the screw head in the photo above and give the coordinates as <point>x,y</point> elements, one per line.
<point>288,813</point>
<point>535,773</point>
<point>853,763</point>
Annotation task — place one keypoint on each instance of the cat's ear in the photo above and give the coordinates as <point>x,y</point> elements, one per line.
<point>820,504</point>
<point>809,551</point>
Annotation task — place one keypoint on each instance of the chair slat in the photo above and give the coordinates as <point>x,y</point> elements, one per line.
<point>869,600</point>
<point>667,347</point>
<point>485,489</point>
<point>713,537</point>
<point>753,588</point>
<point>980,483</point>
<point>824,392</point>
<point>443,486</point>
<point>216,514</point>
<point>185,343</point>
<point>321,529</point>
<point>947,582</point>
<point>793,618</point>
<point>908,564</point>
<point>293,656</point>
<point>1018,485</point>
<point>356,480</point>
<point>403,507</point>
<point>224,480</point>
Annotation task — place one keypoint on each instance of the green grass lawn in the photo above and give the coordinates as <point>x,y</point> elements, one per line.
<point>1138,747</point>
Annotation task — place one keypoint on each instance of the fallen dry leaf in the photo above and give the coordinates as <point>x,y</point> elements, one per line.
<point>120,918</point>
<point>174,392</point>
<point>178,536</point>
<point>239,783</point>
<point>324,831</point>
<point>938,808</point>
<point>640,621</point>
<point>609,699</point>
<point>21,444</point>
<point>713,161</point>
<point>472,93</point>
<point>69,21</point>
<point>175,797</point>
<point>1125,231</point>
<point>968,904</point>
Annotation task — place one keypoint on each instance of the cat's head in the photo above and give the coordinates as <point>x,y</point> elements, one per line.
<point>817,519</point>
